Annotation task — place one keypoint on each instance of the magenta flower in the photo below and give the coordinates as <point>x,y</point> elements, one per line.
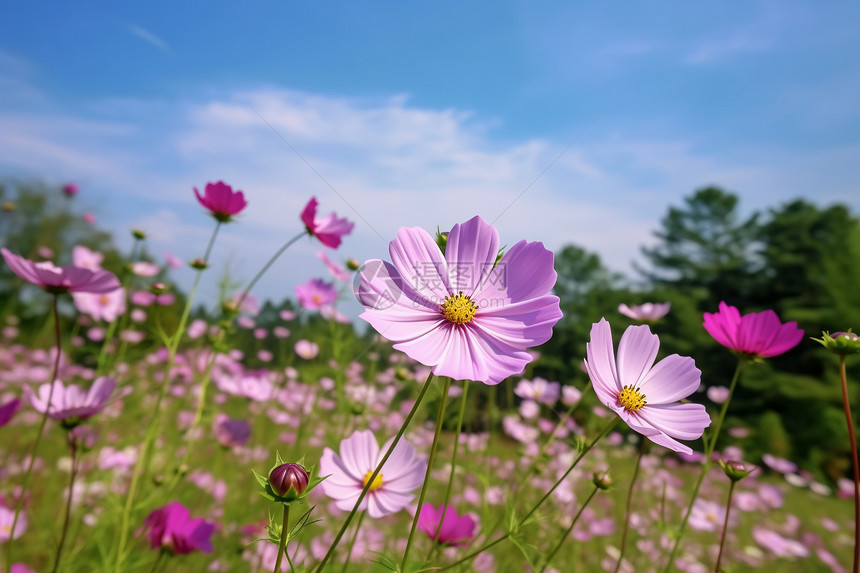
<point>462,314</point>
<point>171,527</point>
<point>349,472</point>
<point>70,189</point>
<point>646,312</point>
<point>758,334</point>
<point>105,306</point>
<point>315,294</point>
<point>8,410</point>
<point>329,230</point>
<point>642,393</point>
<point>70,404</point>
<point>222,201</point>
<point>456,530</point>
<point>53,279</point>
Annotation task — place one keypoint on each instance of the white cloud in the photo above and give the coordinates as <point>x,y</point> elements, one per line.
<point>149,37</point>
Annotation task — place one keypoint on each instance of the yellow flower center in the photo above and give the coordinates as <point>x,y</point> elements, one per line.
<point>377,481</point>
<point>104,300</point>
<point>633,400</point>
<point>459,308</point>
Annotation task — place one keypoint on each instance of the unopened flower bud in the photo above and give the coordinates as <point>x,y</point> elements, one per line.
<point>352,264</point>
<point>138,234</point>
<point>287,476</point>
<point>199,264</point>
<point>736,470</point>
<point>158,288</point>
<point>601,480</point>
<point>441,239</point>
<point>841,343</point>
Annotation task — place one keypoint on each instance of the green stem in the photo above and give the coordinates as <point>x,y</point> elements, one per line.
<point>354,538</point>
<point>247,290</point>
<point>149,437</point>
<point>74,451</point>
<point>558,545</point>
<point>460,416</point>
<point>440,418</point>
<point>27,475</point>
<point>844,378</point>
<point>709,449</point>
<point>642,446</point>
<point>576,461</point>
<point>284,533</point>
<point>725,527</point>
<point>375,473</point>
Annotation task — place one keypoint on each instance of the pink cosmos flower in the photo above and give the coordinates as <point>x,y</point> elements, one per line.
<point>106,306</point>
<point>462,314</point>
<point>315,294</point>
<point>329,230</point>
<point>646,312</point>
<point>644,394</point>
<point>70,189</point>
<point>222,201</point>
<point>89,218</point>
<point>70,404</point>
<point>539,390</point>
<point>307,349</point>
<point>456,530</point>
<point>758,334</point>
<point>7,517</point>
<point>55,280</point>
<point>348,473</point>
<point>86,258</point>
<point>172,261</point>
<point>171,527</point>
<point>8,410</point>
<point>144,269</point>
<point>337,271</point>
<point>778,464</point>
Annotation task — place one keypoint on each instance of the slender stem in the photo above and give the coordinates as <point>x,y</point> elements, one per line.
<point>247,290</point>
<point>375,473</point>
<point>460,416</point>
<point>558,545</point>
<point>149,437</point>
<point>844,377</point>
<point>158,560</point>
<point>725,527</point>
<point>440,418</point>
<point>576,461</point>
<point>284,533</point>
<point>74,451</point>
<point>354,538</point>
<point>642,446</point>
<point>20,504</point>
<point>709,449</point>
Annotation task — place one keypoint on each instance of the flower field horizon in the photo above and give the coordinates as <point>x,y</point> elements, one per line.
<point>497,406</point>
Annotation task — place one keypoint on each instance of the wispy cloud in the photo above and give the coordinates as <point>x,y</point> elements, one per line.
<point>149,38</point>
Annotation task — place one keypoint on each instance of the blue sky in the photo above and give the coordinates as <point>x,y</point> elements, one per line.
<point>427,114</point>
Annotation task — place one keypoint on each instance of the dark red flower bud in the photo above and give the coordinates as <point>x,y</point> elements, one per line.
<point>287,476</point>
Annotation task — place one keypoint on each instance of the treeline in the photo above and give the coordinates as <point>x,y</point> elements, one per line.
<point>799,259</point>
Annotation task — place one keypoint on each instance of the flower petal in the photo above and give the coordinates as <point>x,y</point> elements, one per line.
<point>636,353</point>
<point>471,252</point>
<point>673,378</point>
<point>420,264</point>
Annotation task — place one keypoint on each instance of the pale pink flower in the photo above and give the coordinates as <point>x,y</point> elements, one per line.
<point>646,312</point>
<point>570,395</point>
<point>777,544</point>
<point>315,294</point>
<point>718,394</point>
<point>221,201</point>
<point>105,306</point>
<point>307,349</point>
<point>329,230</point>
<point>144,269</point>
<point>337,271</point>
<point>462,314</point>
<point>539,390</point>
<point>778,464</point>
<point>643,394</point>
<point>86,258</point>
<point>70,404</point>
<point>89,218</point>
<point>53,279</point>
<point>349,472</point>
<point>173,262</point>
<point>7,517</point>
<point>758,334</point>
<point>455,530</point>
